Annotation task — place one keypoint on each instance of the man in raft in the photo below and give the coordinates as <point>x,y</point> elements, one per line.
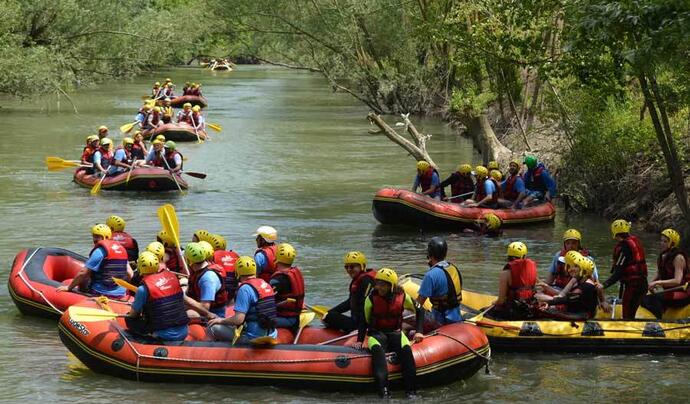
<point>516,285</point>
<point>196,119</point>
<point>172,159</point>
<point>225,259</point>
<point>428,179</point>
<point>672,272</point>
<point>102,132</point>
<point>442,285</point>
<point>513,188</point>
<point>265,254</point>
<point>206,291</point>
<point>255,307</point>
<point>103,157</point>
<point>138,147</point>
<point>461,184</point>
<point>185,114</point>
<point>288,283</point>
<point>485,190</point>
<point>383,311</point>
<point>107,260</point>
<point>158,308</point>
<point>92,144</point>
<point>117,227</point>
<point>629,267</point>
<point>361,285</point>
<point>539,184</point>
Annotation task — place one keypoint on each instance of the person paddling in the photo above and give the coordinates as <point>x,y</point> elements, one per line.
<point>92,145</point>
<point>672,272</point>
<point>184,116</point>
<point>226,259</point>
<point>485,190</point>
<point>103,157</point>
<point>206,283</point>
<point>461,184</point>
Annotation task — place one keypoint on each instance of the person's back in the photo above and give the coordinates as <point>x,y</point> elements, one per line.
<point>517,282</point>
<point>288,283</point>
<point>442,285</point>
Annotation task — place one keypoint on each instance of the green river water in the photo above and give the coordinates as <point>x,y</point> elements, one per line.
<point>298,157</point>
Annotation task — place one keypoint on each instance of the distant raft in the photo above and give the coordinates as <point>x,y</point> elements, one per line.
<point>179,101</point>
<point>178,132</point>
<point>150,179</point>
<point>399,206</point>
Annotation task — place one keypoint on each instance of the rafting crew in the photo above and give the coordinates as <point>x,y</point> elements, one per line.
<point>673,274</point>
<point>265,254</point>
<point>428,179</point>
<point>288,283</point>
<point>512,188</point>
<point>485,190</point>
<point>540,186</point>
<point>442,285</point>
<point>361,284</point>
<point>516,285</point>
<point>461,184</point>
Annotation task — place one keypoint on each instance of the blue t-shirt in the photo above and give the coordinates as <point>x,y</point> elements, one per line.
<point>489,188</point>
<point>435,284</point>
<point>177,333</point>
<point>97,157</point>
<point>261,261</point>
<point>93,264</point>
<point>557,257</point>
<point>245,302</point>
<point>519,184</point>
<point>435,181</point>
<point>546,176</point>
<point>120,156</point>
<point>209,284</point>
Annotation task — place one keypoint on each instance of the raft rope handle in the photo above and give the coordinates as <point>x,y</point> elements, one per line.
<point>20,274</point>
<point>284,361</point>
<point>486,359</point>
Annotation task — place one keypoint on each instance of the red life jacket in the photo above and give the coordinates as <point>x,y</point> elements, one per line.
<point>426,177</point>
<point>265,310</point>
<point>637,268</point>
<point>226,259</point>
<point>87,154</point>
<point>510,193</point>
<point>128,155</point>
<point>170,159</point>
<point>185,90</point>
<point>355,286</point>
<point>534,181</point>
<point>561,277</point>
<point>173,263</point>
<point>106,158</point>
<point>291,309</point>
<point>114,264</point>
<point>481,194</point>
<point>387,312</point>
<point>138,151</point>
<point>184,116</point>
<point>155,118</point>
<point>129,243</point>
<point>523,277</point>
<point>270,252</point>
<point>668,271</point>
<point>194,289</point>
<point>164,307</point>
<point>463,185</point>
<point>194,119</point>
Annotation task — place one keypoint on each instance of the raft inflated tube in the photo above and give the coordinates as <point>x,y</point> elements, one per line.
<point>150,179</point>
<point>179,101</point>
<point>177,132</point>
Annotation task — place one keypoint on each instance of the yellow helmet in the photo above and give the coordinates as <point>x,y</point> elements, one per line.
<point>127,140</point>
<point>147,263</point>
<point>91,138</point>
<point>673,236</point>
<point>572,234</point>
<point>218,242</point>
<point>619,226</point>
<point>481,172</point>
<point>147,107</point>
<point>517,249</point>
<point>116,223</point>
<point>268,233</point>
<point>496,175</point>
<point>492,221</point>
<point>102,230</point>
<point>208,248</point>
<point>586,266</point>
<point>202,235</point>
<point>102,128</point>
<point>156,142</point>
<point>166,239</point>
<point>572,256</point>
<point>157,249</point>
<point>186,105</point>
<point>196,108</point>
<point>387,275</point>
<point>168,80</point>
<point>160,138</point>
<point>286,254</point>
<point>464,169</point>
<point>106,142</point>
<point>245,266</point>
<point>195,253</point>
<point>157,83</point>
<point>493,165</point>
<point>422,166</point>
<point>157,109</point>
<point>355,257</point>
<point>516,163</point>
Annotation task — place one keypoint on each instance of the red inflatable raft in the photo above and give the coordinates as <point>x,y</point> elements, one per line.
<point>399,206</point>
<point>35,275</point>
<point>179,101</point>
<point>453,352</point>
<point>178,132</point>
<point>141,179</point>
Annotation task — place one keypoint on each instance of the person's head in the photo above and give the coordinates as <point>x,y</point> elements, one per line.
<point>492,221</point>
<point>147,107</point>
<point>582,268</point>
<point>514,167</point>
<point>116,223</point>
<point>157,84</point>
<point>669,239</point>
<point>481,172</point>
<point>187,106</point>
<point>147,263</point>
<point>127,143</point>
<point>530,162</point>
<point>496,175</point>
<point>157,110</point>
<point>91,140</point>
<point>160,138</point>
<point>570,258</point>
<point>157,248</point>
<point>168,80</point>
<point>422,166</point>
<point>186,84</point>
<point>170,146</point>
<point>195,254</point>
<point>218,242</point>
<point>285,254</point>
<point>493,165</point>
<point>516,250</point>
<point>245,267</point>
<point>196,109</point>
<point>106,144</point>
<point>166,239</point>
<point>386,281</point>
<point>101,232</point>
<point>208,249</point>
<point>200,235</point>
<point>620,228</point>
<point>436,250</point>
<point>102,131</point>
<point>157,145</point>
<point>571,240</point>
<point>166,102</point>
<point>265,235</point>
<point>355,262</point>
<point>464,169</point>
<point>138,137</point>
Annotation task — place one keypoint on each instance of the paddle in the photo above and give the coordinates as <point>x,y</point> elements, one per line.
<point>194,174</point>
<point>304,319</point>
<point>264,341</point>
<point>319,310</point>
<point>126,128</point>
<point>174,177</point>
<point>56,163</point>
<point>681,287</point>
<point>461,195</point>
<point>97,188</point>
<point>90,314</point>
<point>215,126</point>
<point>129,174</point>
<point>168,219</point>
<point>125,284</point>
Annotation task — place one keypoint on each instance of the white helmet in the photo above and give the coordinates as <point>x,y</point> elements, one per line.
<point>267,232</point>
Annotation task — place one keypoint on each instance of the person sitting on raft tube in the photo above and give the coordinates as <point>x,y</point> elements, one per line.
<point>184,116</point>
<point>102,132</point>
<point>516,285</point>
<point>117,227</point>
<point>512,188</point>
<point>580,299</point>
<point>92,144</point>
<point>362,282</point>
<point>158,308</point>
<point>185,89</point>
<point>461,184</point>
<point>629,267</point>
<point>383,311</point>
<point>155,118</point>
<point>107,260</point>
<point>143,117</point>
<point>225,259</point>
<point>122,158</point>
<point>485,190</point>
<point>171,159</point>
<point>103,157</point>
<point>442,285</point>
<point>138,147</point>
<point>206,290</point>
<point>538,182</point>
<point>173,260</point>
<point>155,90</point>
<point>196,119</point>
<point>265,254</point>
<point>672,272</point>
<point>559,275</point>
<point>255,307</point>
<point>428,178</point>
<point>288,283</point>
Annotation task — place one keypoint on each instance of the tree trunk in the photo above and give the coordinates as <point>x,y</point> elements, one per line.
<point>416,149</point>
<point>479,128</point>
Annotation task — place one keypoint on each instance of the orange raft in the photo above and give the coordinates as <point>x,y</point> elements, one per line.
<point>399,206</point>
<point>178,132</point>
<point>141,179</point>
<point>453,352</point>
<point>179,101</point>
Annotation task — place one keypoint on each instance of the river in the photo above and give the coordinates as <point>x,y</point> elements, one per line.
<point>298,157</point>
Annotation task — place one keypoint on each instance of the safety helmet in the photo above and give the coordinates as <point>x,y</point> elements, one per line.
<point>186,105</point>
<point>91,138</point>
<point>387,275</point>
<point>157,83</point>
<point>286,254</point>
<point>157,249</point>
<point>166,239</point>
<point>138,132</point>
<point>514,162</point>
<point>572,256</point>
<point>517,249</point>
<point>586,266</point>
<point>157,109</point>
<point>673,236</point>
<point>147,263</point>
<point>422,166</point>
<point>437,248</point>
<point>481,172</point>
<point>464,169</point>
<point>102,128</point>
<point>268,233</point>
<point>493,165</point>
<point>202,235</point>
<point>102,230</point>
<point>168,80</point>
<point>147,107</point>
<point>530,161</point>
<point>245,266</point>
<point>160,137</point>
<point>195,253</point>
<point>106,142</point>
<point>619,226</point>
<point>155,142</point>
<point>170,145</point>
<point>496,175</point>
<point>196,108</point>
<point>166,99</point>
<point>218,242</point>
<point>355,257</point>
<point>116,223</point>
<point>127,140</point>
<point>492,221</point>
<point>208,248</point>
<point>572,234</point>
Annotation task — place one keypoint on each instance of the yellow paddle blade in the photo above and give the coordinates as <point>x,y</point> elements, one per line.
<point>97,188</point>
<point>53,166</point>
<point>215,126</point>
<point>145,97</point>
<point>306,318</point>
<point>126,128</point>
<point>319,310</point>
<point>53,159</point>
<point>411,288</point>
<point>264,341</point>
<point>168,219</point>
<point>89,314</point>
<point>125,284</point>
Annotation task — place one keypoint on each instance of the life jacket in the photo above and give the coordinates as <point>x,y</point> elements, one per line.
<point>129,243</point>
<point>480,193</point>
<point>510,193</point>
<point>426,177</point>
<point>265,310</point>
<point>226,259</point>
<point>387,311</point>
<point>184,116</point>
<point>128,155</point>
<point>270,252</point>
<point>194,289</point>
<point>523,277</point>
<point>561,277</point>
<point>463,185</point>
<point>155,118</point>
<point>173,263</point>
<point>185,90</point>
<point>296,292</point>
<point>164,307</point>
<point>87,154</point>
<point>138,151</point>
<point>114,264</point>
<point>534,179</point>
<point>453,298</point>
<point>356,285</point>
<point>636,269</point>
<point>106,158</point>
<point>668,271</point>
<point>170,159</point>
<point>195,120</point>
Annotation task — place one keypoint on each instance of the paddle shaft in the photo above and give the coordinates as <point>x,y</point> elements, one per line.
<point>461,195</point>
<point>681,287</point>
<point>96,188</point>
<point>352,334</point>
<point>178,187</point>
<point>194,174</point>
